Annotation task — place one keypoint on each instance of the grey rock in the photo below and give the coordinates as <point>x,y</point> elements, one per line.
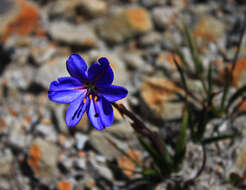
<point>18,135</point>
<point>19,76</point>
<point>99,141</point>
<point>121,130</point>
<point>80,35</point>
<point>133,61</point>
<point>93,8</point>
<point>9,10</point>
<point>6,159</point>
<point>125,24</point>
<point>51,70</point>
<point>164,16</point>
<point>49,157</point>
<point>150,39</point>
<point>81,140</point>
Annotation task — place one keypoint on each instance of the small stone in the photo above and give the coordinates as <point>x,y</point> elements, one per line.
<point>81,140</point>
<point>166,60</point>
<point>133,61</point>
<point>22,18</point>
<point>101,169</point>
<point>121,130</point>
<point>239,74</point>
<point>6,159</point>
<point>51,70</point>
<point>127,165</point>
<point>81,163</point>
<point>18,135</point>
<point>43,158</point>
<point>125,24</point>
<point>64,185</point>
<point>48,131</point>
<point>9,10</point>
<point>150,39</point>
<point>64,8</point>
<point>209,28</point>
<point>94,8</point>
<point>42,53</point>
<point>19,76</point>
<point>99,140</point>
<point>158,94</point>
<point>171,38</point>
<point>151,3</point>
<point>164,17</point>
<point>82,35</point>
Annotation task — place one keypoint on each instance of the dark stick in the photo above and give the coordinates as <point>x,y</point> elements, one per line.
<point>140,128</point>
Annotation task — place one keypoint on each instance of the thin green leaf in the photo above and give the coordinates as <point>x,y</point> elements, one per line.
<point>210,84</point>
<point>159,161</point>
<point>181,145</point>
<point>219,138</point>
<point>193,49</point>
<point>235,96</point>
<point>235,178</point>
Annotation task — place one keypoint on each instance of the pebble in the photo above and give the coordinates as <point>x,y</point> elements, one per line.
<point>93,8</point>
<point>47,166</point>
<point>158,94</point>
<point>164,17</point>
<point>6,160</point>
<point>79,35</point>
<point>51,70</point>
<point>125,24</point>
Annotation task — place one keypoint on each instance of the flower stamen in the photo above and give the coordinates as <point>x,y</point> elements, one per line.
<point>90,96</point>
<point>84,100</point>
<point>95,98</point>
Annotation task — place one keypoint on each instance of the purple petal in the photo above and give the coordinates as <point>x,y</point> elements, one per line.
<point>100,72</point>
<point>113,93</point>
<point>105,112</point>
<point>77,67</point>
<point>75,111</point>
<point>100,113</point>
<point>65,90</point>
<point>93,116</point>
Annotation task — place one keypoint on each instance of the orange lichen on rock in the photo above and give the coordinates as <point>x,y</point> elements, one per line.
<point>209,28</point>
<point>26,22</point>
<point>139,19</point>
<point>34,158</point>
<point>64,185</point>
<point>172,56</point>
<point>243,106</point>
<point>239,72</point>
<point>128,165</point>
<point>156,91</point>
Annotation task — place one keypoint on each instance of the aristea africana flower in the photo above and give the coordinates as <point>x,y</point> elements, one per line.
<point>87,91</point>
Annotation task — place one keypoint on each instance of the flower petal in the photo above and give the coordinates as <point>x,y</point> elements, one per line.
<point>100,72</point>
<point>65,90</point>
<point>113,93</point>
<point>105,111</point>
<point>77,67</point>
<point>93,116</point>
<point>75,111</point>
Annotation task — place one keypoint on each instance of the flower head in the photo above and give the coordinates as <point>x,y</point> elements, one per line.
<point>87,91</point>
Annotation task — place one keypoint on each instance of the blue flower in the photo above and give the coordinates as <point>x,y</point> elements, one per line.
<point>87,91</point>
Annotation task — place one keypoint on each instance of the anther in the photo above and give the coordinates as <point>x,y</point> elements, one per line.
<point>84,100</point>
<point>90,96</point>
<point>95,98</point>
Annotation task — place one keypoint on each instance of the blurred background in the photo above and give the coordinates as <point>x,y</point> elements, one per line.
<point>38,150</point>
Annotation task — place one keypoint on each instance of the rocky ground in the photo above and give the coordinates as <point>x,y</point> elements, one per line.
<point>38,150</point>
